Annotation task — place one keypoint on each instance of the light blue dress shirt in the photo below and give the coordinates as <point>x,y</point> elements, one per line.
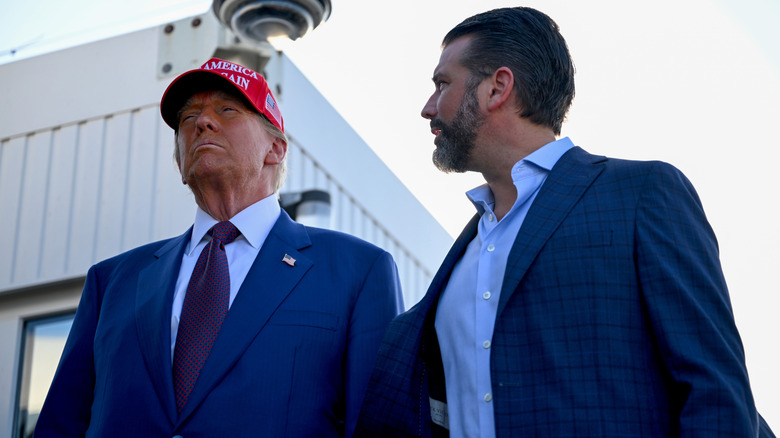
<point>466,312</point>
<point>254,223</point>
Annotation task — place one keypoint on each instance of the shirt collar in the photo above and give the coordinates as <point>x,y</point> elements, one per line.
<point>549,154</point>
<point>545,157</point>
<point>254,222</point>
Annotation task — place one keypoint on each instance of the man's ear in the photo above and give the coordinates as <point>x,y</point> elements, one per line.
<point>177,156</point>
<point>277,152</point>
<point>501,85</point>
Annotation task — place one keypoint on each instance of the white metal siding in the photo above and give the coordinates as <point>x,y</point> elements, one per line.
<point>76,194</point>
<point>85,191</point>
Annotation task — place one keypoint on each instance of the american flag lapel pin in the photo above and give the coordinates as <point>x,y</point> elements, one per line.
<point>289,260</point>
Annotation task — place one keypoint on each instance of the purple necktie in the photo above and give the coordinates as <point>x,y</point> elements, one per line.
<point>204,309</point>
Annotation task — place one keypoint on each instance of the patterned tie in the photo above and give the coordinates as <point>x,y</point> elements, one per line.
<point>204,309</point>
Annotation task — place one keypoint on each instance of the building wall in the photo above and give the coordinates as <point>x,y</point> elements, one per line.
<point>84,191</point>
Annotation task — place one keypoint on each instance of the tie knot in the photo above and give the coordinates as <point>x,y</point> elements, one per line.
<point>225,232</point>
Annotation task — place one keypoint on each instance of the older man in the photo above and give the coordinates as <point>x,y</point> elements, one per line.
<point>248,324</point>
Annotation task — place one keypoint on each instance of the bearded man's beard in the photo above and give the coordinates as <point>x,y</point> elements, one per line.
<point>456,141</point>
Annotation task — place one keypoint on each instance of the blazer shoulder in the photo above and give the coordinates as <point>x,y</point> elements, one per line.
<point>321,235</point>
<point>578,155</point>
<point>618,178</point>
<point>303,236</point>
<point>650,176</point>
<point>641,172</point>
<point>143,252</point>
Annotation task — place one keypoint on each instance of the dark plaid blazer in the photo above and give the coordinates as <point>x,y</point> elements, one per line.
<point>614,319</point>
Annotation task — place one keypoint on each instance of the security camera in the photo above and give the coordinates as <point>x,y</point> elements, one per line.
<point>255,21</point>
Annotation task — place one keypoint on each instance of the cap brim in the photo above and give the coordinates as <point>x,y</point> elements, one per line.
<point>183,87</point>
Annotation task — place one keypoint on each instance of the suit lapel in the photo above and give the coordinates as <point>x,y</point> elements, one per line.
<point>442,276</point>
<point>574,172</point>
<point>154,299</point>
<point>421,341</point>
<point>268,283</point>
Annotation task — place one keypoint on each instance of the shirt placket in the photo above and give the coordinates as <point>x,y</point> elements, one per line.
<point>486,303</point>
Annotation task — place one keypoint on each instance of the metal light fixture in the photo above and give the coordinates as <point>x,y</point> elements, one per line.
<point>258,20</point>
<point>310,207</point>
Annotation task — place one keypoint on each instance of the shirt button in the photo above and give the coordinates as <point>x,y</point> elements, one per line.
<point>486,295</point>
<point>486,345</point>
<point>490,218</point>
<point>488,397</point>
<point>491,248</point>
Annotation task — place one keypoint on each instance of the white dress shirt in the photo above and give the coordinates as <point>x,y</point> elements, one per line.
<point>254,223</point>
<point>467,308</point>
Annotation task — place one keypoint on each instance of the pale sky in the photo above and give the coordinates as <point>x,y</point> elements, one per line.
<point>691,82</point>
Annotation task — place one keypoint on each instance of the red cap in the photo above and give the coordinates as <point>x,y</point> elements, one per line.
<point>215,74</point>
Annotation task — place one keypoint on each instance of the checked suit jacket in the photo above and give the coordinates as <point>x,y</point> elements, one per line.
<point>614,319</point>
<point>292,358</point>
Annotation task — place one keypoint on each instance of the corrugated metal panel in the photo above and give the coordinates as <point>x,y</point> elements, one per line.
<point>76,194</point>
<point>80,193</point>
<point>12,155</point>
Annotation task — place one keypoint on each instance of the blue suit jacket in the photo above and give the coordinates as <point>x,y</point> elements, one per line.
<point>292,358</point>
<point>614,319</point>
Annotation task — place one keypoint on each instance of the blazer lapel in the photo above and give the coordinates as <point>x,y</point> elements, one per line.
<point>574,172</point>
<point>268,283</point>
<point>455,253</point>
<point>154,300</point>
